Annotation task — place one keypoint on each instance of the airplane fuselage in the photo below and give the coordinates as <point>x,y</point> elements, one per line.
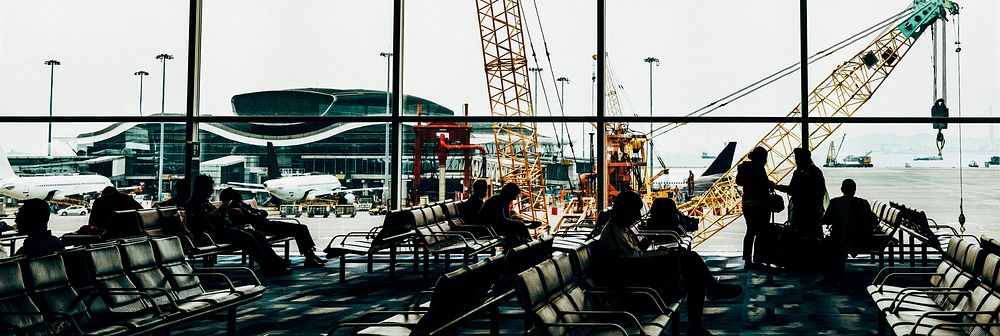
<point>51,187</point>
<point>302,188</point>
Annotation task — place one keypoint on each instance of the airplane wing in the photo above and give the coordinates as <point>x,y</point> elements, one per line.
<point>358,189</point>
<point>251,190</point>
<point>252,185</point>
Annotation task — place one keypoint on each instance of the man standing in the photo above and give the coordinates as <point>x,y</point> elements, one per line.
<point>496,214</point>
<point>756,201</point>
<point>806,193</point>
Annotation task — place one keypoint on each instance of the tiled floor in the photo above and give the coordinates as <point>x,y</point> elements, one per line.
<point>310,301</point>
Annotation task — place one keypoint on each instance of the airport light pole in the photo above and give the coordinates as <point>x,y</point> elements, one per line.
<point>163,110</point>
<point>562,109</point>
<point>141,73</point>
<point>649,157</point>
<point>388,104</point>
<point>52,76</point>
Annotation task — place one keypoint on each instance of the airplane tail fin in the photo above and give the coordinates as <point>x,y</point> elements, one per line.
<point>273,172</point>
<point>5,169</point>
<point>722,162</point>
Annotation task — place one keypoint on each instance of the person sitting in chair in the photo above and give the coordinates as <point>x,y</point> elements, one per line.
<point>851,223</point>
<point>496,214</point>
<point>670,271</point>
<point>33,220</point>
<point>242,213</point>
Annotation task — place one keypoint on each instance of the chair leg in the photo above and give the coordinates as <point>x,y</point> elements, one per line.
<point>231,322</point>
<point>343,268</point>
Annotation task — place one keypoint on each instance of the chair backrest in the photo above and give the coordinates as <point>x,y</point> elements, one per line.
<point>14,299</point>
<point>542,293</point>
<point>452,209</point>
<point>108,271</point>
<point>170,257</point>
<point>522,257</point>
<point>459,292</point>
<point>439,213</point>
<point>142,268</point>
<point>51,291</point>
<point>125,223</point>
<point>985,297</point>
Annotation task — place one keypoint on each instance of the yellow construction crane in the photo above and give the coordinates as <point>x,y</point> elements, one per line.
<point>506,66</point>
<point>840,95</point>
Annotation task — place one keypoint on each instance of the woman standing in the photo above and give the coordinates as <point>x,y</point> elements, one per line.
<point>756,200</point>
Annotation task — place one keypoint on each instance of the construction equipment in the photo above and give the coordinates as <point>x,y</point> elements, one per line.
<point>446,136</point>
<point>839,95</point>
<point>506,66</point>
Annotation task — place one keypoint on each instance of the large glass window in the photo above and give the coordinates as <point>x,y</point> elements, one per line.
<point>88,59</point>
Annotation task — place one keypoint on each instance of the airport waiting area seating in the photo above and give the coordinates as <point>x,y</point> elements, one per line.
<point>906,235</point>
<point>434,229</point>
<point>126,287</point>
<point>960,296</point>
<point>168,222</point>
<point>472,292</point>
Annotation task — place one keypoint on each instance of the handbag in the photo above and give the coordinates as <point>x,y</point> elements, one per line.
<point>777,202</point>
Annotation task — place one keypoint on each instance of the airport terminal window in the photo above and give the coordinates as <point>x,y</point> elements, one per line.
<point>262,58</point>
<point>86,158</point>
<point>444,60</point>
<point>99,51</point>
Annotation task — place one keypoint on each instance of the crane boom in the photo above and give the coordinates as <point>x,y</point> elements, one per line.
<point>841,94</point>
<point>506,66</point>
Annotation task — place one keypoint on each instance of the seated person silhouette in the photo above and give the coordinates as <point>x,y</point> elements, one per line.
<point>851,222</point>
<point>664,216</point>
<point>496,214</point>
<point>110,201</point>
<point>203,217</point>
<point>180,195</point>
<point>471,206</point>
<point>33,220</point>
<point>671,272</point>
<point>241,213</point>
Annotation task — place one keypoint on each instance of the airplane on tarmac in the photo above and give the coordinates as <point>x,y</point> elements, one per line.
<point>297,188</point>
<point>46,187</point>
<point>702,183</point>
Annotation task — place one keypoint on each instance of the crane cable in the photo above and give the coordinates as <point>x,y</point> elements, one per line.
<point>961,171</point>
<point>545,93</point>
<point>791,69</point>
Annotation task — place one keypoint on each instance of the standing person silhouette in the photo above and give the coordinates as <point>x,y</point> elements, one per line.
<point>756,203</point>
<point>806,192</point>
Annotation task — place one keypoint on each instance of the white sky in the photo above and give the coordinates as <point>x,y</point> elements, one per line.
<point>707,50</point>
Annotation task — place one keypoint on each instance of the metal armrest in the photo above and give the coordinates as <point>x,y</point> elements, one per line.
<point>886,279</point>
<point>960,235</point>
<point>606,313</point>
<point>884,269</point>
<point>488,229</point>
<point>947,313</point>
<point>903,295</point>
<point>417,297</point>
<point>956,324</point>
<point>640,291</point>
<point>253,275</point>
<point>617,328</point>
<point>939,226</point>
<point>232,289</point>
<point>163,292</point>
<point>343,237</point>
<point>442,234</point>
<point>289,220</point>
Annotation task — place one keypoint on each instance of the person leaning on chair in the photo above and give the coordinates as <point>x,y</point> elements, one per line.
<point>756,203</point>
<point>618,252</point>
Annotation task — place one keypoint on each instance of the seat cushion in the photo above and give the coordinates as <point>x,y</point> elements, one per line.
<point>901,324</point>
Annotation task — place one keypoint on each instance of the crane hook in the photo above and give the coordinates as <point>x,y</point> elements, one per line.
<point>940,142</point>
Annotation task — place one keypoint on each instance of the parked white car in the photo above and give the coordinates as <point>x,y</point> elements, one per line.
<point>73,210</point>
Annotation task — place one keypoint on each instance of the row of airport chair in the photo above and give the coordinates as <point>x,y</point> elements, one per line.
<point>169,222</point>
<point>573,237</point>
<point>130,287</point>
<point>907,235</point>
<point>559,297</point>
<point>458,297</point>
<point>960,296</point>
<point>433,229</point>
